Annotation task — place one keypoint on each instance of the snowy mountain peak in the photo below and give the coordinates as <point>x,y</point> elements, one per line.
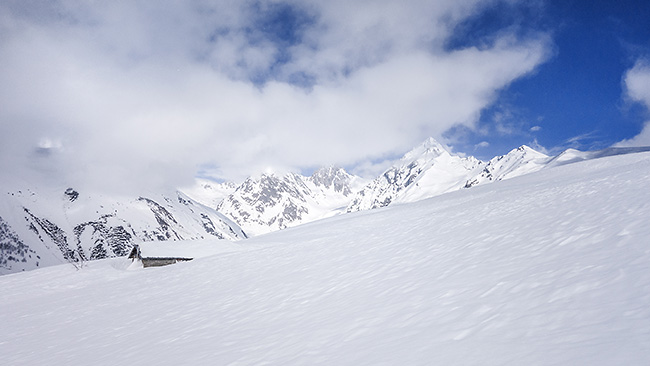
<point>429,149</point>
<point>525,149</point>
<point>519,161</point>
<point>423,172</point>
<point>270,202</point>
<point>333,178</point>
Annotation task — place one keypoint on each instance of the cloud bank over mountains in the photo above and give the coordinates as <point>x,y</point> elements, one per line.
<point>115,93</point>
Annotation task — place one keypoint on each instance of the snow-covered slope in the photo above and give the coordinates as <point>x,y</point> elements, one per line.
<point>47,226</point>
<point>569,156</point>
<point>209,193</point>
<point>426,171</point>
<point>270,203</point>
<point>550,268</point>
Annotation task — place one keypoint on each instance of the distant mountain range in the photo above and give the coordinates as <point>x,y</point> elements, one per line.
<point>42,227</point>
<point>269,202</point>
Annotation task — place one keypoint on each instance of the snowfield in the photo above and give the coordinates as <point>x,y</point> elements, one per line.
<point>550,268</point>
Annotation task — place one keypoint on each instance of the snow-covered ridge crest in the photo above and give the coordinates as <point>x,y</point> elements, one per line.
<point>519,161</point>
<point>209,193</point>
<point>429,149</point>
<point>425,171</point>
<point>272,202</point>
<point>51,226</point>
<point>569,156</point>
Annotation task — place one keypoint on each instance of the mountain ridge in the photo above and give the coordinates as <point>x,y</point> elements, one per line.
<point>427,170</point>
<point>272,202</point>
<point>42,227</point>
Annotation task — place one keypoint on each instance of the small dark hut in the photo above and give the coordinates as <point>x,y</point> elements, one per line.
<point>153,260</point>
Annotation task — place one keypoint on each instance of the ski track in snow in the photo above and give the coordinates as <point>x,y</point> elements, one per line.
<point>551,268</point>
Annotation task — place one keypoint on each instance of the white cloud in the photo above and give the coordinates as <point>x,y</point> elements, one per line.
<point>642,139</point>
<point>149,92</point>
<point>637,85</point>
<point>637,82</point>
<point>536,146</point>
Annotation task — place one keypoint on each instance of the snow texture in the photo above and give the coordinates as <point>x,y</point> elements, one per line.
<point>550,268</point>
<point>185,248</point>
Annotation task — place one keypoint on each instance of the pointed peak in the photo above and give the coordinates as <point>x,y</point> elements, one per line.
<point>430,147</point>
<point>431,143</point>
<point>525,149</point>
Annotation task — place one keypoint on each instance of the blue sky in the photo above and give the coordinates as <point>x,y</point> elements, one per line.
<point>153,93</point>
<point>577,97</point>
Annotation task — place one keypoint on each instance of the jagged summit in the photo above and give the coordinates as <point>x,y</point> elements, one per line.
<point>271,202</point>
<point>334,178</point>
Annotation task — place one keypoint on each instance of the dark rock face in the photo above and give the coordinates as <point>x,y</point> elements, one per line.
<point>71,194</point>
<point>14,253</point>
<point>57,236</point>
<point>165,221</point>
<point>209,227</point>
<point>107,241</point>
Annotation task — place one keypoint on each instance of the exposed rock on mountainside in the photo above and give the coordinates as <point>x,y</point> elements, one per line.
<point>270,203</point>
<point>335,179</point>
<point>15,255</point>
<point>43,228</point>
